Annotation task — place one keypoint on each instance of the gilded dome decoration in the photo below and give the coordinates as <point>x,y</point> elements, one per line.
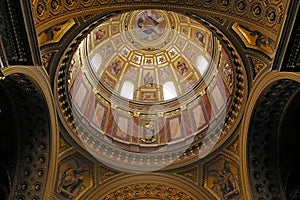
<point>147,85</point>
<point>136,100</point>
<point>147,56</point>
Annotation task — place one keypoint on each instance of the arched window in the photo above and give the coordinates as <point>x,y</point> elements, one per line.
<point>127,90</point>
<point>96,61</point>
<point>169,90</point>
<point>202,64</point>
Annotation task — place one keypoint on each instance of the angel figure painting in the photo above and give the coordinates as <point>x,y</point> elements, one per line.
<point>149,25</point>
<point>115,68</point>
<point>72,180</point>
<point>148,80</point>
<point>98,35</point>
<point>181,67</point>
<point>225,182</point>
<point>200,37</point>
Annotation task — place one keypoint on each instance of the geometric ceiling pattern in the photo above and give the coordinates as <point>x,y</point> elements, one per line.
<point>155,55</point>
<point>149,83</point>
<point>268,14</point>
<point>148,99</point>
<point>98,119</point>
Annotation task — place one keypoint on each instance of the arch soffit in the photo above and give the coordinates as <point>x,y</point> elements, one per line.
<point>40,78</point>
<point>263,81</point>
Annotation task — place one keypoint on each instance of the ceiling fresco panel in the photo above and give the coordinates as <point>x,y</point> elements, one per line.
<point>222,178</point>
<point>74,177</point>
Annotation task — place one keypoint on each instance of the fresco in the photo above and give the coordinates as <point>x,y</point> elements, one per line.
<point>73,179</point>
<point>54,33</point>
<point>149,25</point>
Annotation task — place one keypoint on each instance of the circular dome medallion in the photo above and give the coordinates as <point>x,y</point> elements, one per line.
<point>148,29</point>
<point>145,86</point>
<point>149,25</point>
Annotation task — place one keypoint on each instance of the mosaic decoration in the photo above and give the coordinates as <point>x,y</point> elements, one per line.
<point>63,145</point>
<point>235,147</point>
<point>106,174</point>
<point>191,174</point>
<point>258,65</point>
<point>149,190</point>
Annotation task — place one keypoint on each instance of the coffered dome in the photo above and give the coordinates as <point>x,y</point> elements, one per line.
<point>150,83</point>
<point>148,55</point>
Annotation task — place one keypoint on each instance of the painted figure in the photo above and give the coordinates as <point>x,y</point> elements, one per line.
<point>98,35</point>
<point>71,183</point>
<point>107,50</point>
<point>225,182</point>
<point>260,40</point>
<point>151,24</point>
<point>149,133</point>
<point>200,37</point>
<point>52,32</point>
<point>181,67</point>
<point>115,68</point>
<point>148,80</point>
<point>165,73</point>
<point>132,73</point>
<point>108,82</point>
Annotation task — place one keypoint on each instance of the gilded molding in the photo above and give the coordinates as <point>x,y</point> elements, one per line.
<point>257,65</point>
<point>154,185</point>
<point>265,14</point>
<point>256,39</point>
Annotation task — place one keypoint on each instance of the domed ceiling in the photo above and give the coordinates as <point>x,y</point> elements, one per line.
<point>147,56</point>
<point>145,86</point>
<point>147,90</point>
